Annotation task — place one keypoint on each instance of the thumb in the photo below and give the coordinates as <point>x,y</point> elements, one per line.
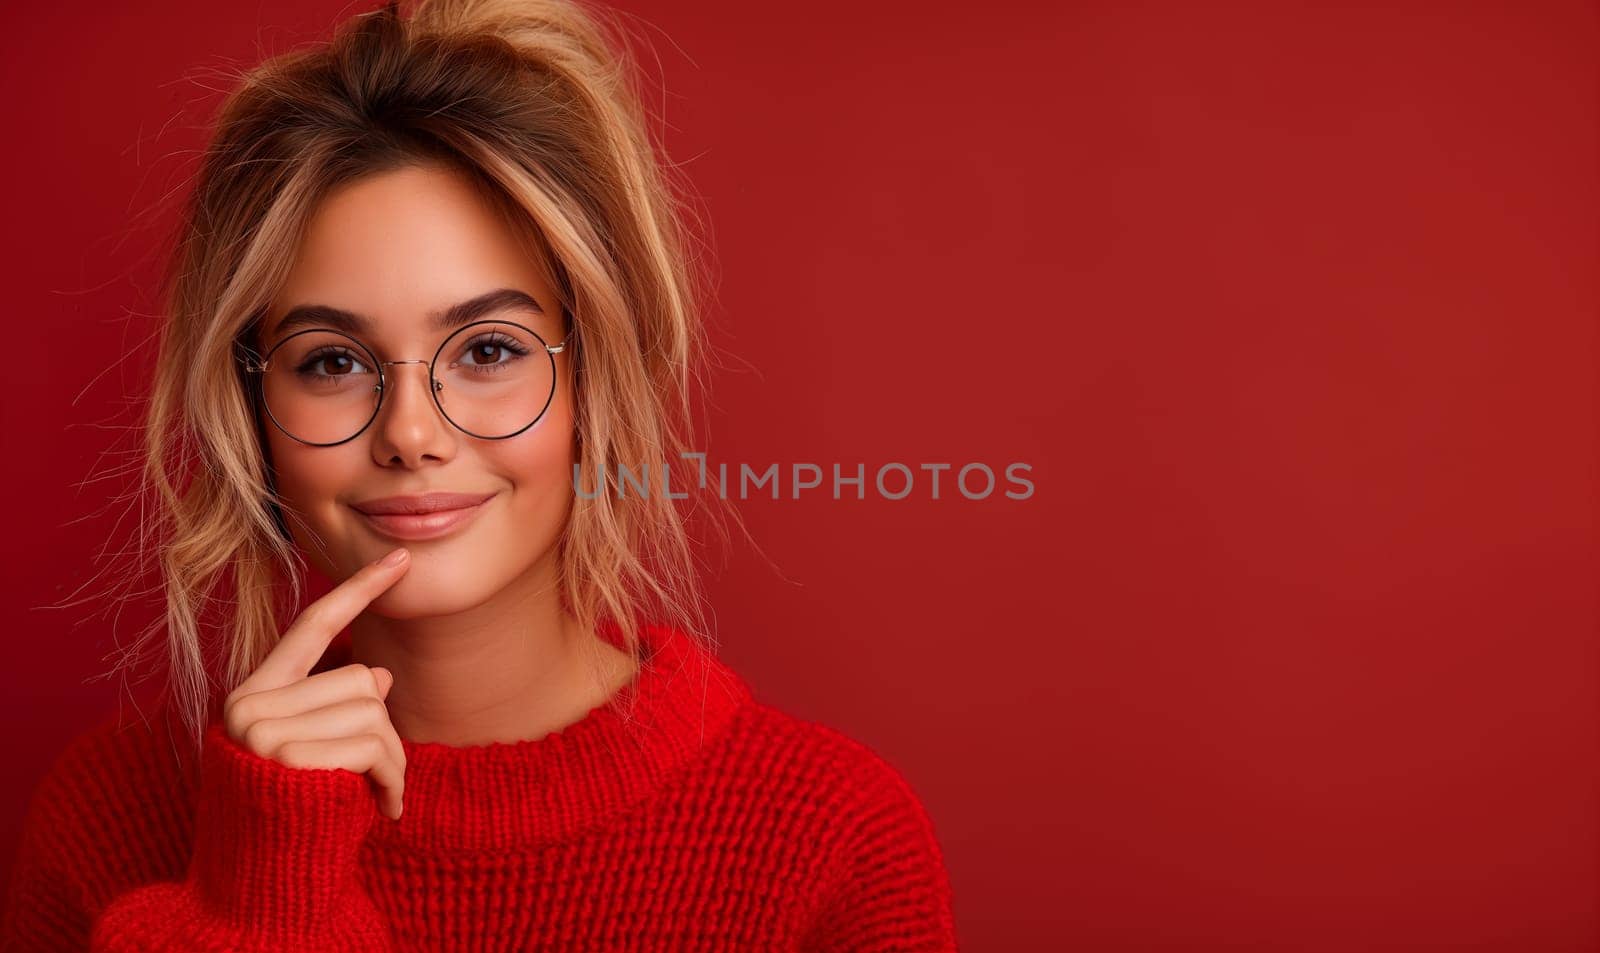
<point>385,680</point>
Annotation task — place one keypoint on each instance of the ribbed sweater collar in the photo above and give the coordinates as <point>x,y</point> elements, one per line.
<point>522,794</point>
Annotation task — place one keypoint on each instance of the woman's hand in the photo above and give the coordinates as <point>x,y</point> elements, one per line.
<point>336,719</point>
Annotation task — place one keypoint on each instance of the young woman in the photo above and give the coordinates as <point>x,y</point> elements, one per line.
<point>431,275</point>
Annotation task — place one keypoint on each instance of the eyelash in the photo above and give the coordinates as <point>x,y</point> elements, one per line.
<point>495,339</point>
<point>492,339</point>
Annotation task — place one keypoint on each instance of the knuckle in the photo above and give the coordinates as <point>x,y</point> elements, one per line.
<point>374,747</point>
<point>253,737</point>
<point>356,679</point>
<point>234,720</point>
<point>234,724</point>
<point>233,706</point>
<point>292,754</point>
<point>241,712</point>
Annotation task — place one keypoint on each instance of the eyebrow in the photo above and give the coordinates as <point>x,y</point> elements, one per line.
<point>325,316</point>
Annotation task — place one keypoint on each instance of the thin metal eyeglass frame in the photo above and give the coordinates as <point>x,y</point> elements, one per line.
<point>436,385</point>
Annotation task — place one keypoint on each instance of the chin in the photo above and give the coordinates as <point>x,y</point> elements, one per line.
<point>424,593</point>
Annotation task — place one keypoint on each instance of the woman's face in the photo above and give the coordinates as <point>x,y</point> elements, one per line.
<point>396,249</point>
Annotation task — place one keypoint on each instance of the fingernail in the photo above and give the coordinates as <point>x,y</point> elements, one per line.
<point>395,558</point>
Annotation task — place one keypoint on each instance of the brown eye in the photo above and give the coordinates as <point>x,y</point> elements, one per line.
<point>492,352</point>
<point>329,363</point>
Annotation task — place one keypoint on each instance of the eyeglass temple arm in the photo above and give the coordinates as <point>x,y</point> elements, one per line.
<point>572,332</point>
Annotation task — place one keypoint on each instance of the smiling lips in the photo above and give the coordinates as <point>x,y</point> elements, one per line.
<point>428,516</point>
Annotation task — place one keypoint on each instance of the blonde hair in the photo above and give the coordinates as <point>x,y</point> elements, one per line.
<point>537,101</point>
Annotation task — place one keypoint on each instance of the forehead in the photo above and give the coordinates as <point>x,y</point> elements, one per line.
<point>401,248</point>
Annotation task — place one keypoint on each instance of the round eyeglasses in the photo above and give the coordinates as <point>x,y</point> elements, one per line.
<point>490,379</point>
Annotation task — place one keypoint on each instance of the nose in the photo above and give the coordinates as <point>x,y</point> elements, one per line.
<point>410,429</point>
<point>391,377</point>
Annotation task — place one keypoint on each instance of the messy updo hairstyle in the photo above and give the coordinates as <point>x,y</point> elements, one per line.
<point>538,102</point>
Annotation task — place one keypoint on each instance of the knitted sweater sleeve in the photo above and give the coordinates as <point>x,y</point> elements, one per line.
<point>272,869</point>
<point>892,891</point>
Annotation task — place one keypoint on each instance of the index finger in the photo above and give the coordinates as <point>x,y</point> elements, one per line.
<point>302,645</point>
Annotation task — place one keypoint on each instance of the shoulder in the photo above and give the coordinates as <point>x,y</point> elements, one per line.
<point>828,751</point>
<point>117,759</point>
<point>117,794</point>
<point>851,785</point>
<point>879,867</point>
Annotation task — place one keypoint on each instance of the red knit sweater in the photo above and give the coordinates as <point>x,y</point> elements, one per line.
<point>711,821</point>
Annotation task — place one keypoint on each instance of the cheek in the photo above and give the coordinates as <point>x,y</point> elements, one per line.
<point>538,466</point>
<point>309,481</point>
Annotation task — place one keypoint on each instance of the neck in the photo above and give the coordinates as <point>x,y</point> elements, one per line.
<point>515,667</point>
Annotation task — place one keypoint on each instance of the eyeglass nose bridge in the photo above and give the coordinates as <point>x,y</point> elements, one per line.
<point>438,385</point>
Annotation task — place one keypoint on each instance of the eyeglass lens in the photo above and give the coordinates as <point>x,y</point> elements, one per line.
<point>494,380</point>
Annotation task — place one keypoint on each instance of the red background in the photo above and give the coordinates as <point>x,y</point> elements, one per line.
<point>1291,310</point>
